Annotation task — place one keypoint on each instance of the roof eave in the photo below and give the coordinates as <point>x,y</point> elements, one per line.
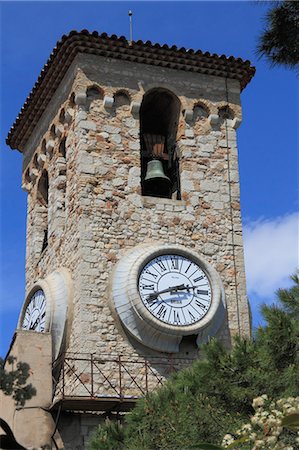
<point>119,48</point>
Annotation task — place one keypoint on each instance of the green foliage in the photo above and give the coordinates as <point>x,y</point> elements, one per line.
<point>176,417</point>
<point>214,396</point>
<point>13,382</point>
<point>279,42</point>
<point>203,446</point>
<point>289,298</point>
<point>109,437</point>
<point>278,344</point>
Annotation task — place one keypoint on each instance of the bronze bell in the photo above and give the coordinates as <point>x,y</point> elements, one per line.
<point>156,183</point>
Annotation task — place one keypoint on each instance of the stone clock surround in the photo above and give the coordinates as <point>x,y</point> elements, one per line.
<point>100,213</point>
<point>126,303</point>
<point>58,290</point>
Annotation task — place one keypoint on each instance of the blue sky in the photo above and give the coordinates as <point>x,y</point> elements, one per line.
<point>267,138</point>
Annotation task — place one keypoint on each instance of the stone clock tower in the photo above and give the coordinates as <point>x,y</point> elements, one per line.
<point>134,241</point>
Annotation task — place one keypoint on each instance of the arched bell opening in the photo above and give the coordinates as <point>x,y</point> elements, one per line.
<point>159,118</point>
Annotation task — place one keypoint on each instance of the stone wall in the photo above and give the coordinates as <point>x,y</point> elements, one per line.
<point>95,209</point>
<point>34,349</point>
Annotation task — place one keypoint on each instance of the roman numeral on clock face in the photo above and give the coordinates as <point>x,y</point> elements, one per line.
<point>174,263</point>
<point>192,317</point>
<point>189,265</point>
<point>148,287</point>
<point>161,312</point>
<point>202,292</point>
<point>198,279</point>
<point>176,317</point>
<point>161,265</point>
<point>201,305</point>
<point>151,273</point>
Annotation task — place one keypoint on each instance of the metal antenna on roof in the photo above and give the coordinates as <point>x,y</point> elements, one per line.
<point>131,27</point>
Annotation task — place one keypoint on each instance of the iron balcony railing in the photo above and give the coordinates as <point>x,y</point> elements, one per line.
<point>89,376</point>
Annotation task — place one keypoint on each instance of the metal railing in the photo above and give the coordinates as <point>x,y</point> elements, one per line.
<point>90,376</point>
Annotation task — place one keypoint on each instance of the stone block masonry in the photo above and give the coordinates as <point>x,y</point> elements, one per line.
<point>96,211</point>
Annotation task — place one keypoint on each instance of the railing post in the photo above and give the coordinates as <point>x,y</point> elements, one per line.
<point>146,377</point>
<point>63,377</point>
<point>91,374</point>
<point>119,374</point>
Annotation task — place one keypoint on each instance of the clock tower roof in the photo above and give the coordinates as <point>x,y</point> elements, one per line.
<point>118,48</point>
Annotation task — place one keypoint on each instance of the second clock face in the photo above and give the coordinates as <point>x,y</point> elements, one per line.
<point>35,313</point>
<point>175,290</point>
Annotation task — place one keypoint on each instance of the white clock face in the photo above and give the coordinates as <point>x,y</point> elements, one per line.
<point>175,290</point>
<point>35,313</point>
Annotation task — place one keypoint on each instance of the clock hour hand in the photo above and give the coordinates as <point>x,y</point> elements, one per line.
<point>180,287</point>
<point>154,295</point>
<point>192,287</point>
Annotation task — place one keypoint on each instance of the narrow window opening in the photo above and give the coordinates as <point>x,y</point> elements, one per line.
<point>35,162</point>
<point>72,100</point>
<point>52,132</point>
<point>62,116</point>
<point>159,116</point>
<point>45,240</point>
<point>62,147</point>
<point>27,176</point>
<point>43,147</point>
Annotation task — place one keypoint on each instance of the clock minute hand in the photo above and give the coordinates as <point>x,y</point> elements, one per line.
<point>153,296</point>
